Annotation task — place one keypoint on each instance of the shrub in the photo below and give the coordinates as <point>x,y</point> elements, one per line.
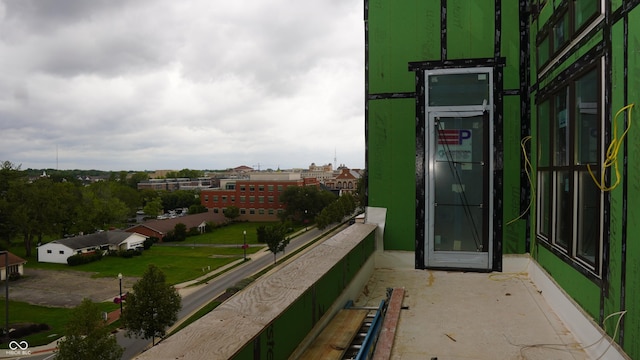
<point>14,276</point>
<point>27,330</point>
<point>126,253</point>
<point>147,243</point>
<point>79,259</point>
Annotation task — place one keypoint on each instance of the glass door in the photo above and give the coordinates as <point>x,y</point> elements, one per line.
<point>458,204</point>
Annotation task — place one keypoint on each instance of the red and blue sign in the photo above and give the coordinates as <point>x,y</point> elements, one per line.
<point>453,136</point>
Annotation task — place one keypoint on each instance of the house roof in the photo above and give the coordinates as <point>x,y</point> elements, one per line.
<point>243,168</point>
<point>166,225</point>
<point>114,237</point>
<point>348,174</point>
<point>13,260</point>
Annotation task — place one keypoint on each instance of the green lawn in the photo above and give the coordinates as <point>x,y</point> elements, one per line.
<point>179,263</point>
<point>230,234</point>
<point>56,318</point>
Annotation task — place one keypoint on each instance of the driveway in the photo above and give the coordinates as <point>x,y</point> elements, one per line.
<point>64,288</point>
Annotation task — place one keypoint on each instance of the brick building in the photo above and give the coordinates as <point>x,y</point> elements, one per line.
<point>257,197</point>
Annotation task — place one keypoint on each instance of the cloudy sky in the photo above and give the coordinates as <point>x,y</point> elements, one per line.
<point>166,84</point>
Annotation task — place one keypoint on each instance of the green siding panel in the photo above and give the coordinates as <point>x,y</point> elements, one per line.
<point>514,229</point>
<point>545,14</point>
<point>632,318</point>
<point>397,36</point>
<point>391,169</point>
<point>470,29</point>
<point>612,301</point>
<point>615,4</point>
<point>510,45</point>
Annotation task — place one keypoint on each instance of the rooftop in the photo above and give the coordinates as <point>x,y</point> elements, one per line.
<point>516,314</point>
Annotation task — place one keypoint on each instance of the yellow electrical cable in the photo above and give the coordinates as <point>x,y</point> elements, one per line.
<point>612,152</point>
<point>527,166</point>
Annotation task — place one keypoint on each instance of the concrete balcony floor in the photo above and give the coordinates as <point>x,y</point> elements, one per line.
<point>467,315</point>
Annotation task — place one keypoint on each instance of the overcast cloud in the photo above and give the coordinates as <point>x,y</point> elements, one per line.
<point>166,84</point>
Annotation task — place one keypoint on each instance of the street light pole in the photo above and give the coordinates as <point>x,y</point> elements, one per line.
<point>244,244</point>
<point>120,296</point>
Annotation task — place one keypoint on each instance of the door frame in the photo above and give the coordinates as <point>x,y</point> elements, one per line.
<point>480,261</point>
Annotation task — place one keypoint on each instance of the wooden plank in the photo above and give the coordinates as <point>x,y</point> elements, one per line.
<point>334,340</point>
<point>388,331</point>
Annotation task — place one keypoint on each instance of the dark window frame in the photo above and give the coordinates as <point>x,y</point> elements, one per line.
<point>570,252</point>
<point>547,30</point>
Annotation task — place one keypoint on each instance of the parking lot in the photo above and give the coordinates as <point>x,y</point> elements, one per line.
<point>64,288</point>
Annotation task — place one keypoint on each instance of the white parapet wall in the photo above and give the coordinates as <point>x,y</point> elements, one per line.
<point>235,324</point>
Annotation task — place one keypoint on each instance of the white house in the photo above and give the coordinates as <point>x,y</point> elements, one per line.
<point>11,263</point>
<point>58,251</point>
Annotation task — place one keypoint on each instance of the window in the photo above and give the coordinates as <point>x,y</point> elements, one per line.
<point>271,212</point>
<point>260,187</point>
<point>243,211</point>
<point>270,199</point>
<point>569,216</point>
<point>215,198</point>
<point>215,210</point>
<point>243,198</point>
<point>261,199</point>
<point>270,188</point>
<point>224,198</point>
<point>585,10</point>
<point>242,187</point>
<point>252,211</point>
<point>458,89</point>
<point>261,211</point>
<point>280,188</point>
<point>252,199</point>
<point>206,198</point>
<point>233,198</point>
<point>61,252</point>
<point>49,251</point>
<point>252,188</point>
<point>567,23</point>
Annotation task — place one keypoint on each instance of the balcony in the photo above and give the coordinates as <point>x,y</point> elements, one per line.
<point>517,314</point>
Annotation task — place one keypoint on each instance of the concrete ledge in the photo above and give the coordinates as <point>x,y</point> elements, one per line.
<point>235,326</point>
<point>595,342</point>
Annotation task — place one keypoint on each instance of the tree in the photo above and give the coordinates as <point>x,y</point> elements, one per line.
<point>231,212</point>
<point>87,336</point>
<point>10,175</point>
<point>303,203</point>
<point>152,306</point>
<point>179,199</point>
<point>274,237</point>
<point>136,178</point>
<point>153,207</point>
<point>361,191</point>
<point>345,205</point>
<point>180,232</point>
<point>197,209</point>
